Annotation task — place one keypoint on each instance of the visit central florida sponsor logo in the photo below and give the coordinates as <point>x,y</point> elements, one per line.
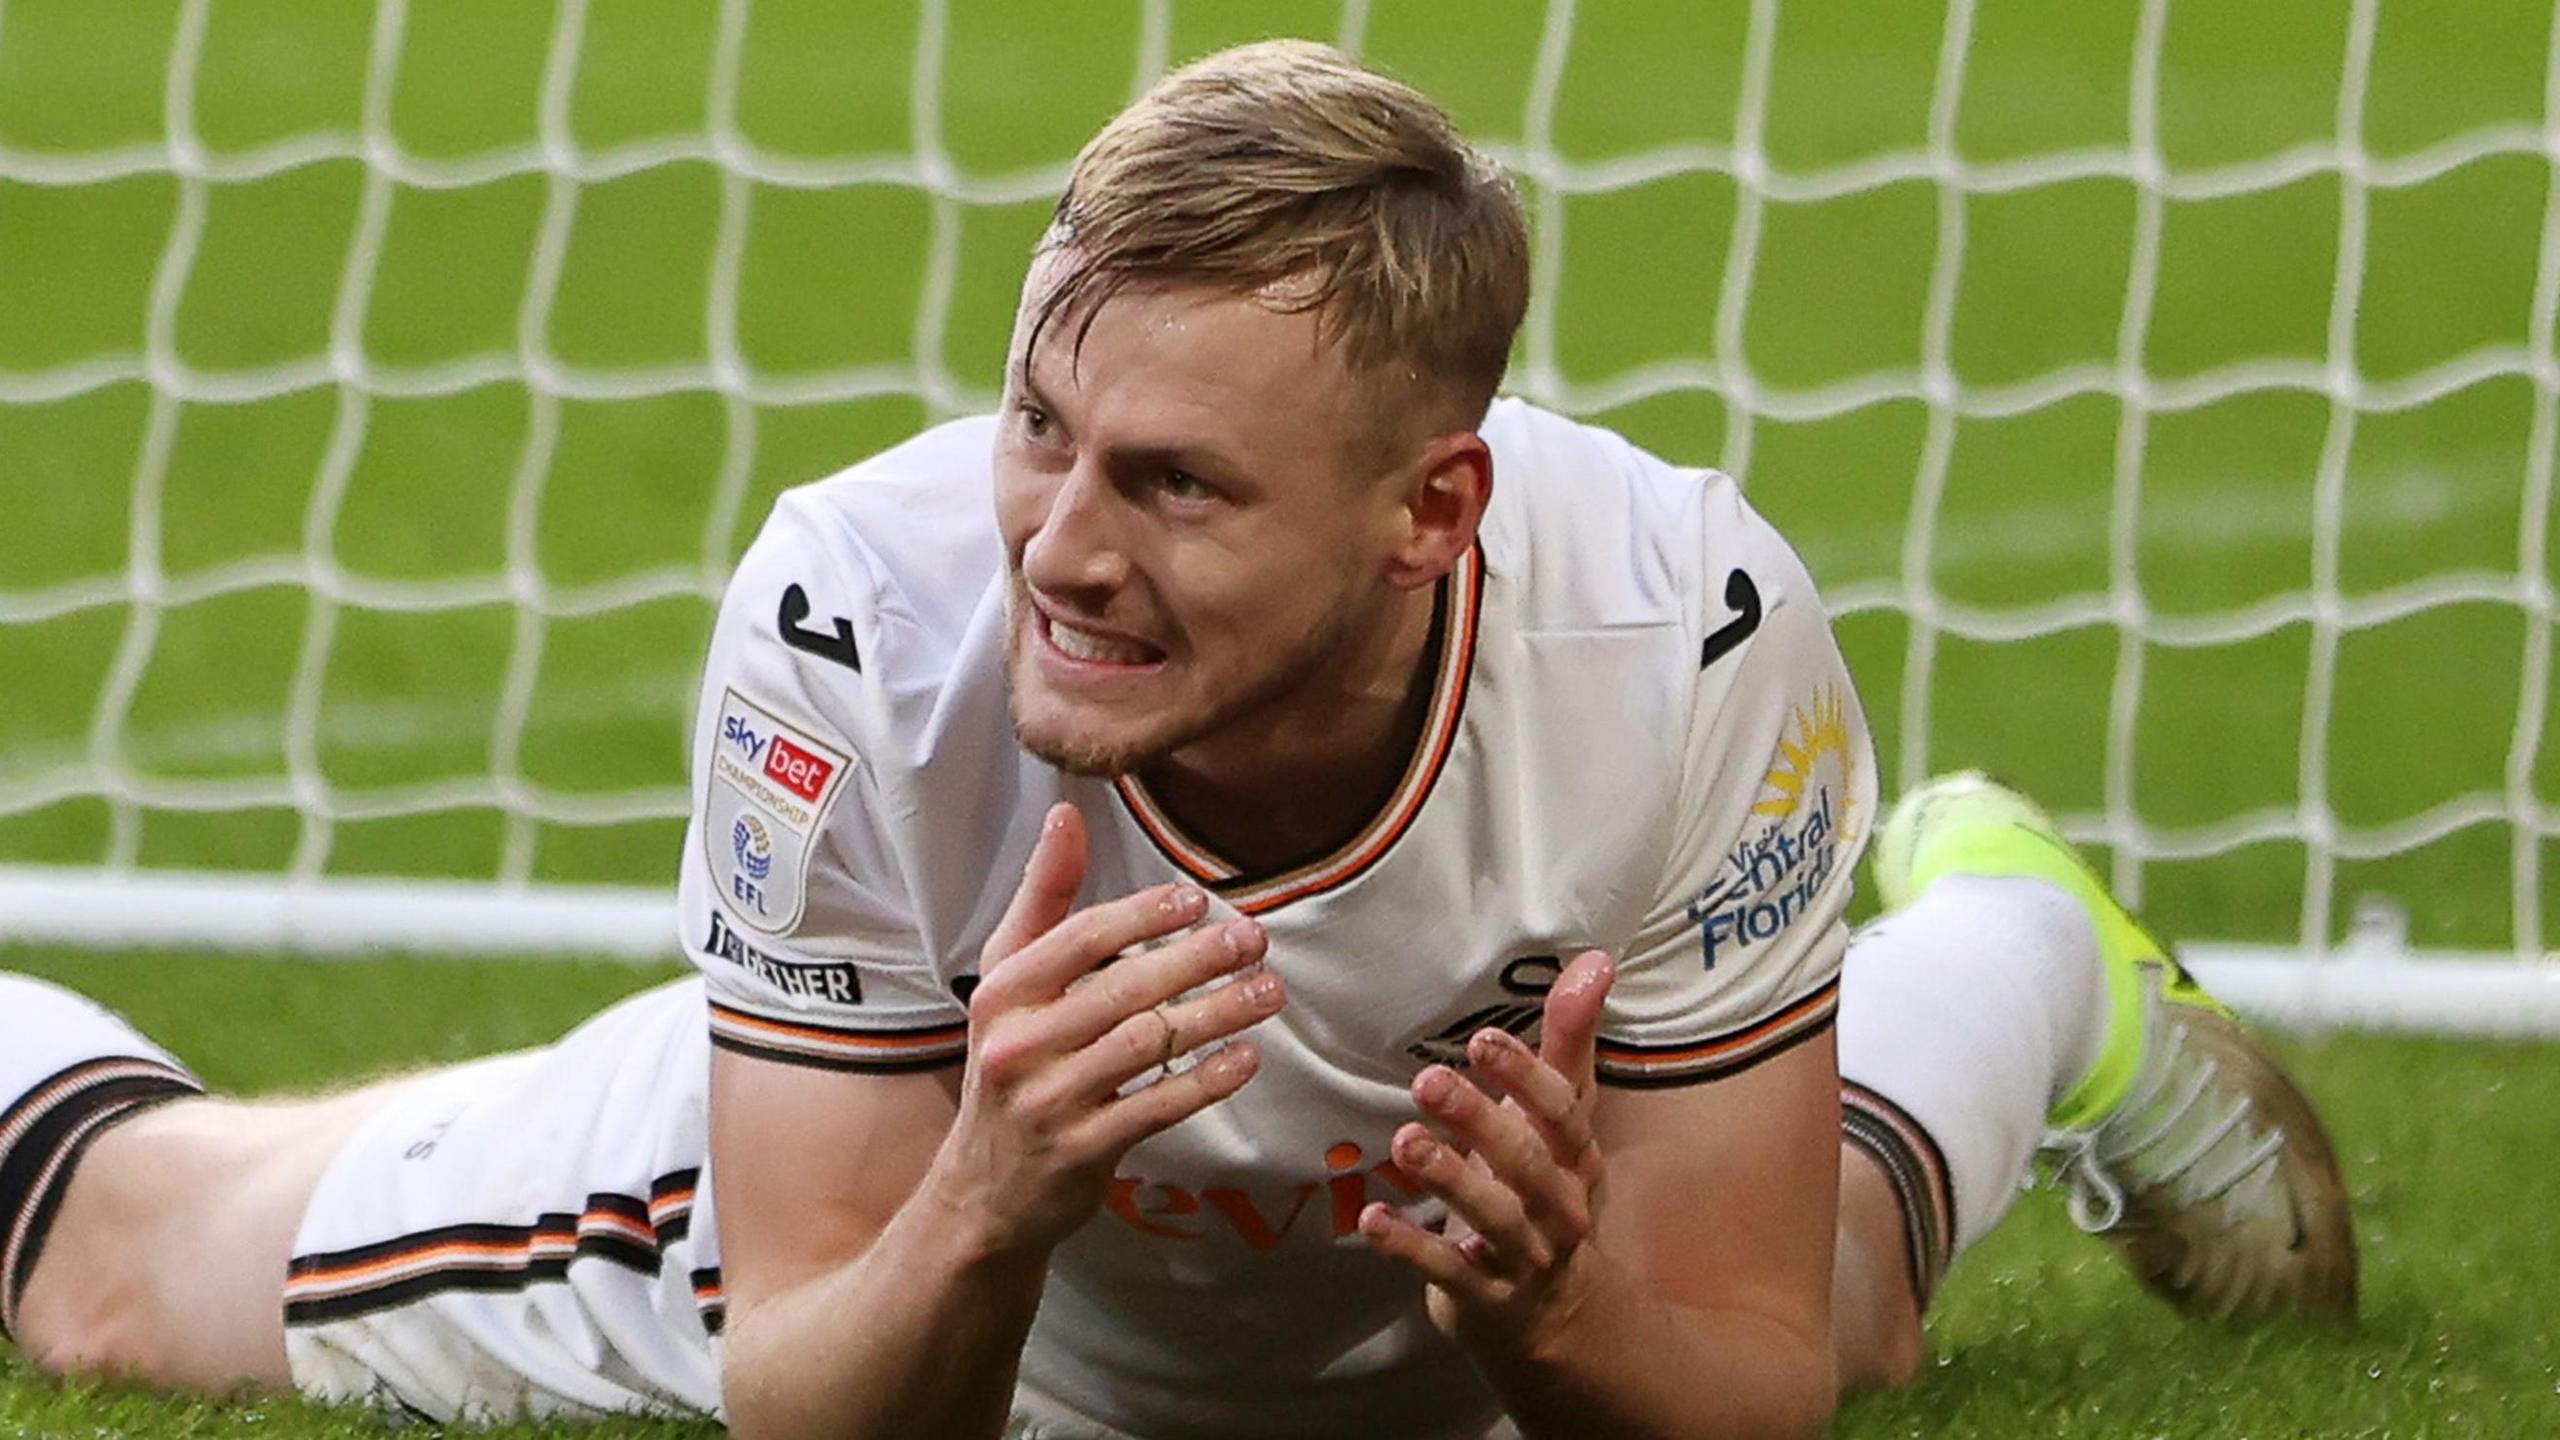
<point>1768,881</point>
<point>770,787</point>
<point>1774,874</point>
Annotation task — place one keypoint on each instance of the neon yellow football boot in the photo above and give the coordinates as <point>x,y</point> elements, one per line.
<point>2185,1146</point>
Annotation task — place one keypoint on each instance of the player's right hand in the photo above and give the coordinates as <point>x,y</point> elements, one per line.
<point>1042,1121</point>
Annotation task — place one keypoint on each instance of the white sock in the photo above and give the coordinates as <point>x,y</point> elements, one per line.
<point>1971,1012</point>
<point>68,1070</point>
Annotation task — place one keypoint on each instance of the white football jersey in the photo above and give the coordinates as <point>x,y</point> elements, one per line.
<point>1641,738</point>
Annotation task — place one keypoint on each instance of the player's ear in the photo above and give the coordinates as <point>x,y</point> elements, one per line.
<point>1441,508</point>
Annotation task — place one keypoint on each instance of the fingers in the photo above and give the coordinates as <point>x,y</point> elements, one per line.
<point>1571,1025</point>
<point>1499,1251</point>
<point>1554,1106</point>
<point>1043,967</point>
<point>1049,885</point>
<point>1440,1260</point>
<point>1066,1031</point>
<point>1505,1239</point>
<point>1137,983</point>
<point>1170,1101</point>
<point>1086,1082</point>
<point>1114,1009</point>
<point>1152,1036</point>
<point>1528,1201</point>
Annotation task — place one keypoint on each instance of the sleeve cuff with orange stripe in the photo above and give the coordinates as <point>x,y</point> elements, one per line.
<point>798,1040</point>
<point>1688,1062</point>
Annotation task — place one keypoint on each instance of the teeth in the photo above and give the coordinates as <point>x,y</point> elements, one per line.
<point>1082,645</point>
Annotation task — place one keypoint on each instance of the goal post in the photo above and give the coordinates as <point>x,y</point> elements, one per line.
<point>2167,396</point>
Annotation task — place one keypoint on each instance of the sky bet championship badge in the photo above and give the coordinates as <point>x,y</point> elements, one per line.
<point>770,789</point>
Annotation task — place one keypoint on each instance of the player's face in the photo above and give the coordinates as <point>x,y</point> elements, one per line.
<point>1193,541</point>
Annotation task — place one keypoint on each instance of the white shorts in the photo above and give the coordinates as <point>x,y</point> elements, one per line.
<point>518,1237</point>
<point>531,1236</point>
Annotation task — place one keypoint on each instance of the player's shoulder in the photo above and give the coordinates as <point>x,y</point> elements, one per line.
<point>908,533</point>
<point>880,566</point>
<point>849,613</point>
<point>1600,533</point>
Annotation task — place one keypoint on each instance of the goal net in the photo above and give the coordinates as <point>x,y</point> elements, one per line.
<point>2165,393</point>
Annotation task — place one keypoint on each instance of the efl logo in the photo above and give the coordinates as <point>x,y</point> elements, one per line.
<point>796,770</point>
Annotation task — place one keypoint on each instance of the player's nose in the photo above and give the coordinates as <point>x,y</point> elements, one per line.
<point>1077,545</point>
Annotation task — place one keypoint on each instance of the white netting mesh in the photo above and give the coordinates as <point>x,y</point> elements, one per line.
<point>1721,365</point>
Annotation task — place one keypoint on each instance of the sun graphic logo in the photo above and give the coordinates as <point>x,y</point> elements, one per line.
<point>1778,872</point>
<point>753,845</point>
<point>1820,759</point>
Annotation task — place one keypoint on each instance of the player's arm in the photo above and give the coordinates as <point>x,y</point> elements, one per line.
<point>884,1238</point>
<point>1643,1213</point>
<point>836,1049</point>
<point>890,1169</point>
<point>825,1305</point>
<point>1696,1301</point>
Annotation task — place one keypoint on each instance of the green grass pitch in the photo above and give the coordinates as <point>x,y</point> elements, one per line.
<point>2040,1333</point>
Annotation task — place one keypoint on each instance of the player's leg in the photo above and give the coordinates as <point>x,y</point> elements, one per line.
<point>146,1225</point>
<point>1962,1017</point>
<point>2004,1003</point>
<point>1879,1283</point>
<point>507,1238</point>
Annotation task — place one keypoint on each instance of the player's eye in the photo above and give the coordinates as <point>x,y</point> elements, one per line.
<point>1035,421</point>
<point>1183,485</point>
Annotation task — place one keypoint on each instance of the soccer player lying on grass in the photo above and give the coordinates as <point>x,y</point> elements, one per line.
<point>1256,892</point>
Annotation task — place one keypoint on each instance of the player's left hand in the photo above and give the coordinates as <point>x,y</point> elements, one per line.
<point>1521,1176</point>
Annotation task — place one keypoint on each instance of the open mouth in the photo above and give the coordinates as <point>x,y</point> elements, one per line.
<point>1093,648</point>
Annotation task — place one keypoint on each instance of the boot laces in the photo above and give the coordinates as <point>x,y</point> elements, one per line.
<point>2169,1126</point>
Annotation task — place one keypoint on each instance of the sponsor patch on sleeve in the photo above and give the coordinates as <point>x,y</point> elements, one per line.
<point>771,786</point>
<point>1807,817</point>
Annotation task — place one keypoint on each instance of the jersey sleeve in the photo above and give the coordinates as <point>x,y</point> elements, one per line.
<point>1738,957</point>
<point>793,903</point>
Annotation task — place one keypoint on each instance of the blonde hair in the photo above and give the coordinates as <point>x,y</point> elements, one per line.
<point>1285,171</point>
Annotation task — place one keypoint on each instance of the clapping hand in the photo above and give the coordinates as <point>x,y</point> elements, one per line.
<point>1066,1015</point>
<point>1521,1175</point>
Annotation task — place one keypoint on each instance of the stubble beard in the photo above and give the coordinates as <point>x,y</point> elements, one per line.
<point>1103,758</point>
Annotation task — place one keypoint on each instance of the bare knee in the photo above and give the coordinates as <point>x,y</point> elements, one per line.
<point>80,1332</point>
<point>1883,1354</point>
<point>85,1309</point>
<point>1876,1338</point>
<point>165,1261</point>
